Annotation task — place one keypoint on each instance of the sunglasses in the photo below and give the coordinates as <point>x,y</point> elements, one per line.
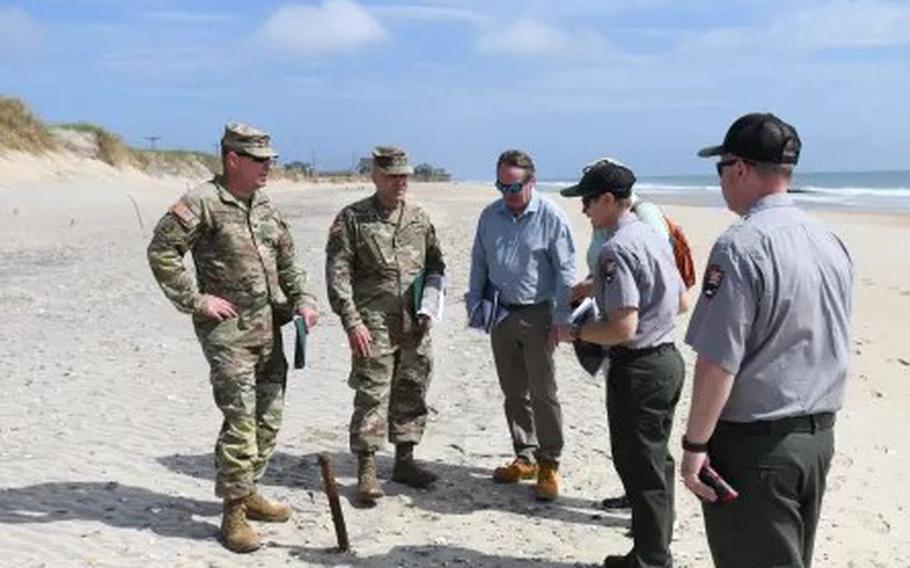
<point>724,163</point>
<point>257,159</point>
<point>510,187</point>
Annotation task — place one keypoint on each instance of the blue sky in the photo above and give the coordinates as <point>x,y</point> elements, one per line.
<point>455,82</point>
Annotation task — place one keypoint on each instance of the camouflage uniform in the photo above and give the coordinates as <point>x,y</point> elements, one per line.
<point>374,256</point>
<point>242,253</point>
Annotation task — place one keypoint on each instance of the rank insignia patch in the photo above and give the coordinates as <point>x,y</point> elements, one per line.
<point>714,277</point>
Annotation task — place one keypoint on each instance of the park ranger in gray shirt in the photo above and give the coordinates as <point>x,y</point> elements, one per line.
<point>640,292</point>
<point>771,330</point>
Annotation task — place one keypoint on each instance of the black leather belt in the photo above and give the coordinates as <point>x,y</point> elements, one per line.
<point>619,352</point>
<point>806,423</point>
<point>519,307</point>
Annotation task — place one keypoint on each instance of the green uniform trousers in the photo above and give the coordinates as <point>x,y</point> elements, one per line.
<point>391,389</point>
<point>643,387</point>
<point>248,383</point>
<point>779,469</point>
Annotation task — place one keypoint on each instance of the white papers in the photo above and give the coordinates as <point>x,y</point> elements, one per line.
<point>433,298</point>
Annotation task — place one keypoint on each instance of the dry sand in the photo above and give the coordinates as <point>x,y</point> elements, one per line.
<point>107,422</point>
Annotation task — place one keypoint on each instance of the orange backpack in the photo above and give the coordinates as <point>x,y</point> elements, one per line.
<point>682,253</point>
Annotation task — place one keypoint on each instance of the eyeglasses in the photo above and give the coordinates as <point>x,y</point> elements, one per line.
<point>724,163</point>
<point>510,187</point>
<point>586,201</point>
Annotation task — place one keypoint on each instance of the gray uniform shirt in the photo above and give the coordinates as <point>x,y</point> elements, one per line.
<point>637,270</point>
<point>775,311</point>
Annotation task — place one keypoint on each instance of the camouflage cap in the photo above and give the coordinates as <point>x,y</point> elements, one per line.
<point>391,160</point>
<point>247,140</point>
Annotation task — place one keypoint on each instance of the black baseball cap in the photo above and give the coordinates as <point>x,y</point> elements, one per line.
<point>761,137</point>
<point>603,176</point>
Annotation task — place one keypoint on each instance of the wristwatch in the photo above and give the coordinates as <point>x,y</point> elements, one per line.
<point>575,331</point>
<point>694,447</point>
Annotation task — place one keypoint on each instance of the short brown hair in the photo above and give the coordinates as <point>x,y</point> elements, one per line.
<point>767,170</point>
<point>517,159</point>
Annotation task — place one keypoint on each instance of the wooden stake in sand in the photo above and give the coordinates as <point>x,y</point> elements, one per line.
<point>331,490</point>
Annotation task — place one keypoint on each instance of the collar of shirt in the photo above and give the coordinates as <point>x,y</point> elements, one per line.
<point>389,215</point>
<point>769,201</point>
<point>532,207</point>
<point>624,219</point>
<point>258,198</point>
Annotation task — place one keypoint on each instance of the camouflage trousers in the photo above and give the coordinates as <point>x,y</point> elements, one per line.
<point>391,388</point>
<point>248,383</point>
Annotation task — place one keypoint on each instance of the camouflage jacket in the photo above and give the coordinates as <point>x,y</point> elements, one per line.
<point>373,257</point>
<point>242,253</point>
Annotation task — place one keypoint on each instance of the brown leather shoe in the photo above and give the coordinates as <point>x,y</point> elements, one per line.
<point>258,508</point>
<point>368,489</point>
<point>236,533</point>
<point>519,469</point>
<point>547,488</point>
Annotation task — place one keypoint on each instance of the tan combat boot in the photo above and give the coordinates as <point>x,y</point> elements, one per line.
<point>368,489</point>
<point>547,488</point>
<point>258,508</point>
<point>236,533</point>
<point>519,469</point>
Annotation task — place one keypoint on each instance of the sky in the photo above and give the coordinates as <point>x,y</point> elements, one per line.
<point>648,82</point>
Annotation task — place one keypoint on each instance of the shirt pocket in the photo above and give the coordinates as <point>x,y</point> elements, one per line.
<point>374,244</point>
<point>411,248</point>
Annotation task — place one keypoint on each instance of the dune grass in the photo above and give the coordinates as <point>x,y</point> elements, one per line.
<point>21,130</point>
<point>111,148</point>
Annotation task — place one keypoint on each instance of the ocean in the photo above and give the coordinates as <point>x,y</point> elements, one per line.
<point>874,191</point>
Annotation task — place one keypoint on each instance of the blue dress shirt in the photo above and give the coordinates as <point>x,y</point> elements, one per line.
<point>529,258</point>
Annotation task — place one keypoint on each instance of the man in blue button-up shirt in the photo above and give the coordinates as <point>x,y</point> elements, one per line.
<point>523,251</point>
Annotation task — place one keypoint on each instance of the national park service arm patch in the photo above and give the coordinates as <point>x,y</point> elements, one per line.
<point>609,269</point>
<point>714,279</point>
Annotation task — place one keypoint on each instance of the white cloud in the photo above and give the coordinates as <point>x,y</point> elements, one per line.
<point>333,26</point>
<point>18,30</point>
<point>840,24</point>
<point>847,24</point>
<point>524,37</point>
<point>428,13</point>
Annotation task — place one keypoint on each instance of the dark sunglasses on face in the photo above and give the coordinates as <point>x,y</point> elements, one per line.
<point>510,187</point>
<point>257,159</point>
<point>724,163</point>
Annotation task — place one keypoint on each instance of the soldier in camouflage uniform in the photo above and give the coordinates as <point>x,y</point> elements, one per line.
<point>247,286</point>
<point>378,251</point>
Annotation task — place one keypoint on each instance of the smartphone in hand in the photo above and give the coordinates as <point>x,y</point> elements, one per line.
<point>725,493</point>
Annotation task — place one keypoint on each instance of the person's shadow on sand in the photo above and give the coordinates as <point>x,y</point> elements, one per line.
<point>461,490</point>
<point>110,503</point>
<point>425,555</point>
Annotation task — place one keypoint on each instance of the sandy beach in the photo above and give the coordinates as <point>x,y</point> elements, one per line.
<point>107,423</point>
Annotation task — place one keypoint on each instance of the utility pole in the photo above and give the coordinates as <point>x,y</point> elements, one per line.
<point>152,140</point>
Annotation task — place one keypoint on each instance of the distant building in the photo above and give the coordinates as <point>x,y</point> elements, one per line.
<point>427,172</point>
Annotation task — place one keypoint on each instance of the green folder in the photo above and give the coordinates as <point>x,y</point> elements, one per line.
<point>418,291</point>
<point>300,343</point>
